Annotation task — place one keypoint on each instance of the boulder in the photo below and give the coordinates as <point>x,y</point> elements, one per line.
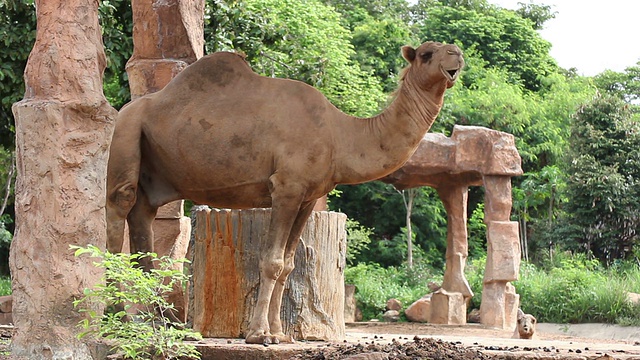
<point>420,310</point>
<point>391,316</point>
<point>394,304</point>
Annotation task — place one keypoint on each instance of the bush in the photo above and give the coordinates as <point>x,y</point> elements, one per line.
<point>148,332</point>
<point>474,272</point>
<point>577,290</point>
<point>375,285</point>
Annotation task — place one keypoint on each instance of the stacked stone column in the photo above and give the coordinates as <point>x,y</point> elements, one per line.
<point>168,35</point>
<point>63,128</point>
<point>499,299</point>
<point>449,304</point>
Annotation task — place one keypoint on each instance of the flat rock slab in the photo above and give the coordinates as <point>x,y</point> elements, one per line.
<point>372,337</point>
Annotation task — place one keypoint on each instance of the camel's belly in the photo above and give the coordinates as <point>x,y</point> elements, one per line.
<point>238,197</point>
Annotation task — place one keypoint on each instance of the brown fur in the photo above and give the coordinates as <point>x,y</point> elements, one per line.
<point>525,327</point>
<point>221,135</point>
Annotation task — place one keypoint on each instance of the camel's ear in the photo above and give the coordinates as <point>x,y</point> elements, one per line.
<point>408,53</point>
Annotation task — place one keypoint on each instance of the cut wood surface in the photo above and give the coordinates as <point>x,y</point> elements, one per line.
<point>225,257</point>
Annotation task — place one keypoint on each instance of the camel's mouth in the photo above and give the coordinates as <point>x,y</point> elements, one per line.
<point>452,74</point>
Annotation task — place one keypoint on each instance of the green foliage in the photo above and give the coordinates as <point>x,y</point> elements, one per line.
<point>375,285</point>
<point>576,290</point>
<point>148,332</point>
<point>5,286</point>
<point>624,85</point>
<point>477,233</point>
<point>358,239</point>
<point>503,38</point>
<point>604,186</point>
<point>379,28</point>
<point>18,33</point>
<point>298,40</point>
<point>474,272</point>
<point>570,289</point>
<point>379,207</point>
<point>116,21</point>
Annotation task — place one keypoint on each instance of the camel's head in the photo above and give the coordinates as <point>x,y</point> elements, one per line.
<point>526,325</point>
<point>435,62</point>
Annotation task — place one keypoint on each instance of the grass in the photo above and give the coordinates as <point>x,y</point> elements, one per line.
<point>573,289</point>
<point>375,285</point>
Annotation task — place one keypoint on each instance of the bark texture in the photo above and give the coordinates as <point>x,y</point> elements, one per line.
<point>225,274</point>
<point>63,128</point>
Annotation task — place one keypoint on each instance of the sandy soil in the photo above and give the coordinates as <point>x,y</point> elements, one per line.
<point>404,341</point>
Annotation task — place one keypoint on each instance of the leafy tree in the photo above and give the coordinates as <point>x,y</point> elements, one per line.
<point>624,85</point>
<point>18,33</point>
<point>378,206</point>
<point>379,29</point>
<point>358,239</point>
<point>538,14</point>
<point>538,204</point>
<point>477,233</point>
<point>299,40</point>
<point>503,38</point>
<point>604,181</point>
<point>116,21</point>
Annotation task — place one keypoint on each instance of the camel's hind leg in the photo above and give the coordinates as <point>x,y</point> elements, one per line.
<point>275,323</point>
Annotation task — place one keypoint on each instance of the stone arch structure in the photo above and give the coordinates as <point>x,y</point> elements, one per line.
<point>472,156</point>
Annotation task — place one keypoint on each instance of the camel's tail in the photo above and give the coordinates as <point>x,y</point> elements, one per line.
<point>123,170</point>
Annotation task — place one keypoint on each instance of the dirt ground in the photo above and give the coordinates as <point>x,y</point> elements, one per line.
<point>472,341</point>
<point>404,341</point>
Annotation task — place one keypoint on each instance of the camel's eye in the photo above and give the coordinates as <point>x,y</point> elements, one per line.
<point>426,56</point>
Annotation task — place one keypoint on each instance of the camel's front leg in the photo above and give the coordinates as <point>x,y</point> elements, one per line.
<point>140,221</point>
<point>275,323</point>
<point>286,200</point>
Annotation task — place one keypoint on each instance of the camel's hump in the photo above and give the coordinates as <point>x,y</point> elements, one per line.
<point>220,68</point>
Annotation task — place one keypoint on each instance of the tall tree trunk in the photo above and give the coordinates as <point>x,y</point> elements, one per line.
<point>407,197</point>
<point>63,128</point>
<point>7,187</point>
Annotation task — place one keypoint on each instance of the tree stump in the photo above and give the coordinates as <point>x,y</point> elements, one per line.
<point>225,254</point>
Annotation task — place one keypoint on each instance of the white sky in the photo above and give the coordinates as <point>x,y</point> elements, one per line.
<point>591,35</point>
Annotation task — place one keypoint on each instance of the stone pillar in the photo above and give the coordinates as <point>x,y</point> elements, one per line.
<point>63,128</point>
<point>448,308</point>
<point>168,35</point>
<point>448,304</point>
<point>499,300</point>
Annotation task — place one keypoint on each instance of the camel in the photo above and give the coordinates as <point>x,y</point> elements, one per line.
<point>222,135</point>
<point>525,327</point>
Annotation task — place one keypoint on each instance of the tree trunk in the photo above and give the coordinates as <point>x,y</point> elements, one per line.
<point>225,254</point>
<point>409,229</point>
<point>63,128</point>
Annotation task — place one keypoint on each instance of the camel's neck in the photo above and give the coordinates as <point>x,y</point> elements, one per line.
<point>375,147</point>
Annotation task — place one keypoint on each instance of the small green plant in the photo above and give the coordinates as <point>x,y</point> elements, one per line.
<point>147,332</point>
<point>5,286</point>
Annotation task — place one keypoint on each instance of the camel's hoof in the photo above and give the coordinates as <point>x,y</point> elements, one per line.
<point>283,338</point>
<point>261,337</point>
